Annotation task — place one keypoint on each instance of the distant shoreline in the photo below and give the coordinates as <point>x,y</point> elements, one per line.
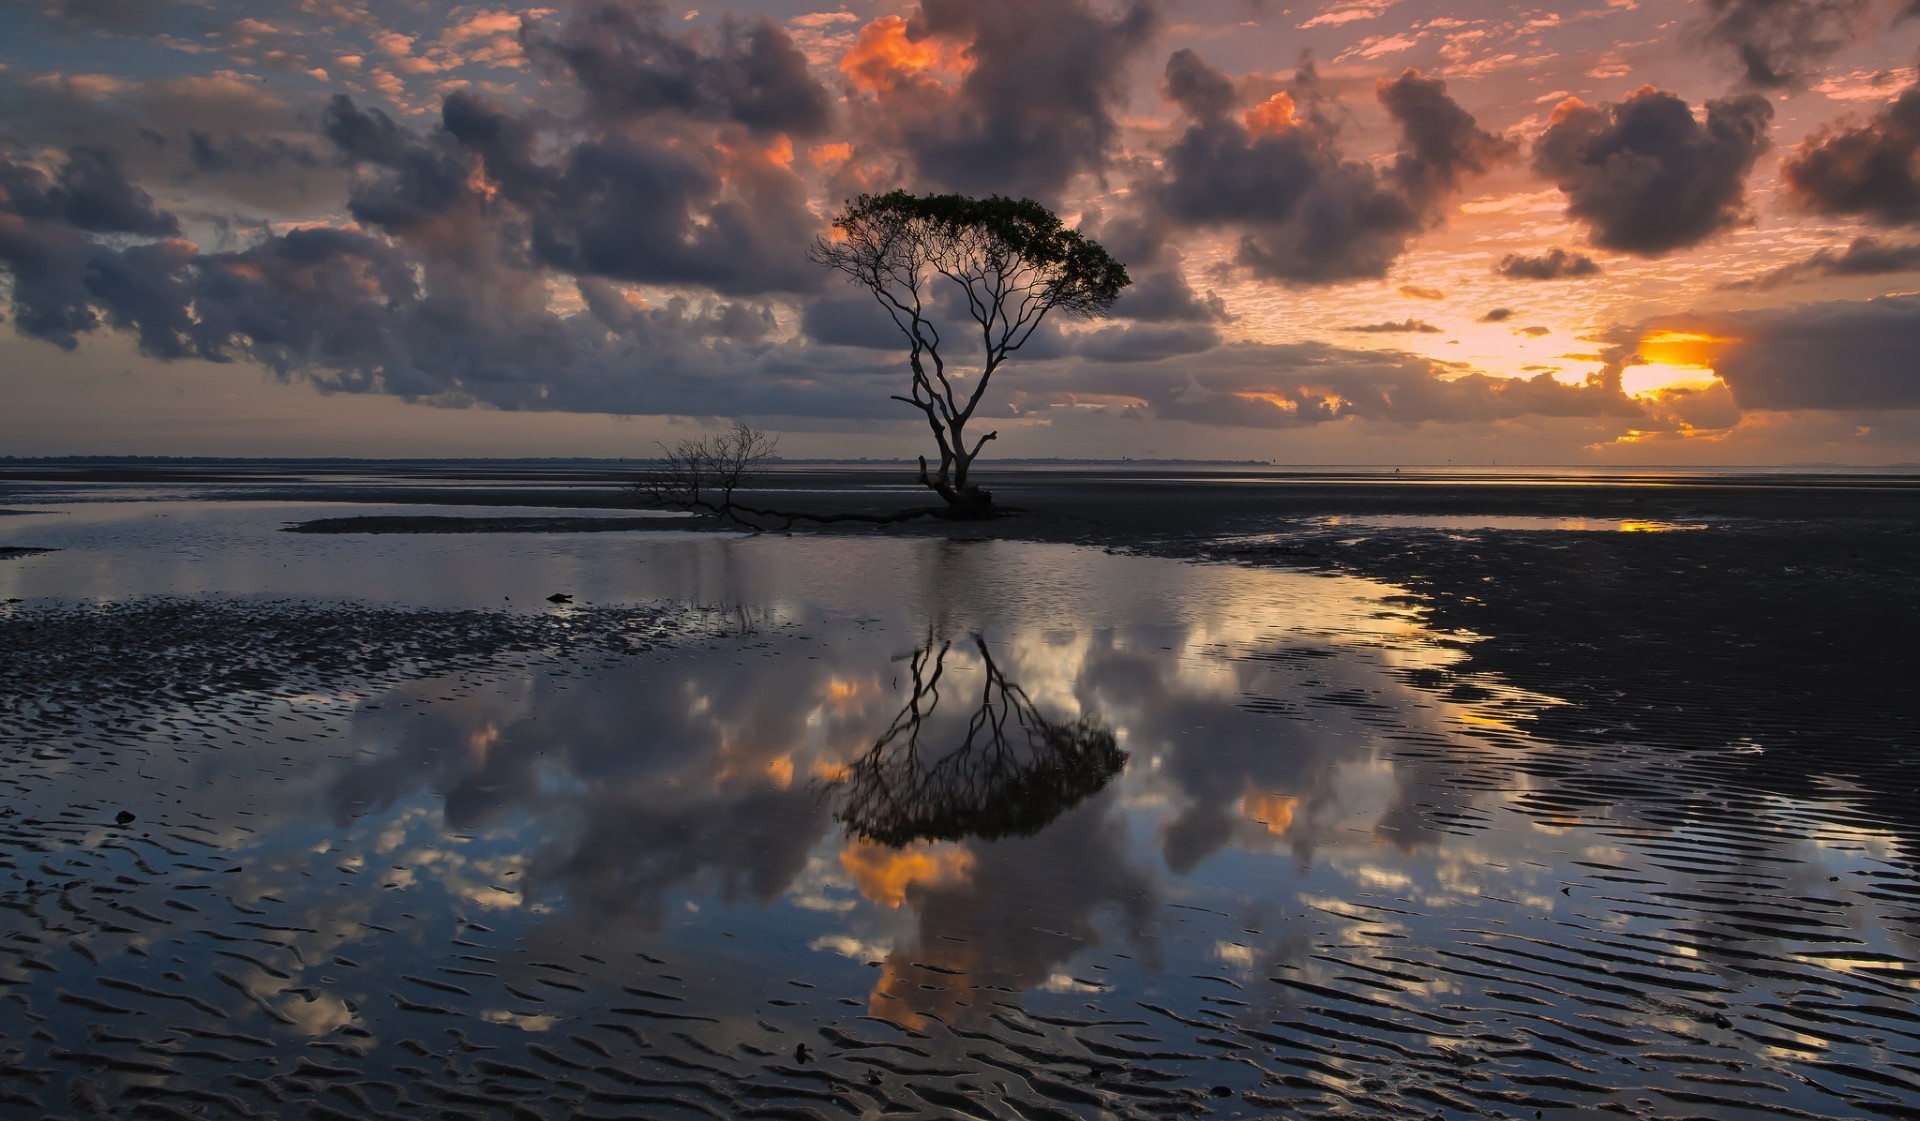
<point>14,462</point>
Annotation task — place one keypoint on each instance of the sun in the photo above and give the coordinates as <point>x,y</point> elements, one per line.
<point>1652,377</point>
<point>1670,359</point>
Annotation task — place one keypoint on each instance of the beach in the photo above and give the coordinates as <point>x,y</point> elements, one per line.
<point>1224,791</point>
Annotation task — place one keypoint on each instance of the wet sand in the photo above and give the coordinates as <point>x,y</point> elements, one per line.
<point>1723,715</point>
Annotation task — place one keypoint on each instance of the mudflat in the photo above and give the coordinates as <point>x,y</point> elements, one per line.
<point>1217,793</point>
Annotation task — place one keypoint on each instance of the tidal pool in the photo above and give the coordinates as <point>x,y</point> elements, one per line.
<point>840,827</point>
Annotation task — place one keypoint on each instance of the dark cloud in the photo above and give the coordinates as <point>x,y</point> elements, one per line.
<point>1440,143</point>
<point>1164,296</point>
<point>1160,292</point>
<point>243,153</point>
<point>225,138</point>
<point>1554,264</point>
<point>1202,92</point>
<point>1864,256</point>
<point>630,65</point>
<point>1497,315</point>
<point>1870,171</point>
<point>1275,175</point>
<point>619,206</point>
<point>1778,40</point>
<point>1645,176</point>
<point>1035,107</point>
<point>451,308</point>
<point>48,247</point>
<point>87,192</point>
<point>1145,342</point>
<point>848,318</point>
<point>1417,326</point>
<point>1843,355</point>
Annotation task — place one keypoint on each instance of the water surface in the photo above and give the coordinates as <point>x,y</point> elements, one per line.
<point>844,826</point>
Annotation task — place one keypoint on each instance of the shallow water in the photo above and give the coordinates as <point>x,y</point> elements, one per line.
<point>871,825</point>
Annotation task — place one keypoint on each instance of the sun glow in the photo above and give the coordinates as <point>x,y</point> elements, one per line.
<point>1653,377</point>
<point>1671,359</point>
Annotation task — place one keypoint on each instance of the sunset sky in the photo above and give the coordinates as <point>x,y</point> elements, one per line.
<point>1360,231</point>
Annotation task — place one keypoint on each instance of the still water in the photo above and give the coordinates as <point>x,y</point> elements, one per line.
<point>843,827</point>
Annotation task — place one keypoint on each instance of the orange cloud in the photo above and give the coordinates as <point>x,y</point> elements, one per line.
<point>1275,811</point>
<point>883,57</point>
<point>884,874</point>
<point>482,25</point>
<point>1566,109</point>
<point>1271,117</point>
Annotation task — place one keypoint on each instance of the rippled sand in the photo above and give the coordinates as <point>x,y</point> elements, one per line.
<point>1376,850</point>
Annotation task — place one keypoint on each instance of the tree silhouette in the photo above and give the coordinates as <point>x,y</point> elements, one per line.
<point>1012,772</point>
<point>700,474</point>
<point>1011,261</point>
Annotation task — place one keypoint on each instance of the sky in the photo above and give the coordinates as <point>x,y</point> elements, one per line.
<point>1612,232</point>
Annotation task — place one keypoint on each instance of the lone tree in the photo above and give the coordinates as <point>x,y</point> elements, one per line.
<point>1012,261</point>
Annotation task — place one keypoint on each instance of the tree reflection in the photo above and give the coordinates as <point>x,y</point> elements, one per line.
<point>1011,772</point>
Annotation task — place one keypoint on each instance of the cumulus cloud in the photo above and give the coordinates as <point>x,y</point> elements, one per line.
<point>630,65</point>
<point>1776,41</point>
<point>995,96</point>
<point>1839,355</point>
<point>1276,176</point>
<point>49,222</point>
<point>1555,264</point>
<point>1870,170</point>
<point>1864,256</point>
<point>447,293</point>
<point>224,137</point>
<point>1645,176</point>
<point>618,206</point>
<point>87,192</point>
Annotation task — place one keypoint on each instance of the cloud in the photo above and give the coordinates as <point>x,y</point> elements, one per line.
<point>1864,256</point>
<point>1840,355</point>
<point>1299,385</point>
<point>630,66</point>
<point>1555,264</point>
<point>1033,109</point>
<point>1777,40</point>
<point>1304,212</point>
<point>1645,176</point>
<point>224,138</point>
<point>49,246</point>
<point>88,192</point>
<point>1164,296</point>
<point>1145,342</point>
<point>1420,292</point>
<point>1870,170</point>
<point>1414,325</point>
<point>1497,315</point>
<point>619,206</point>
